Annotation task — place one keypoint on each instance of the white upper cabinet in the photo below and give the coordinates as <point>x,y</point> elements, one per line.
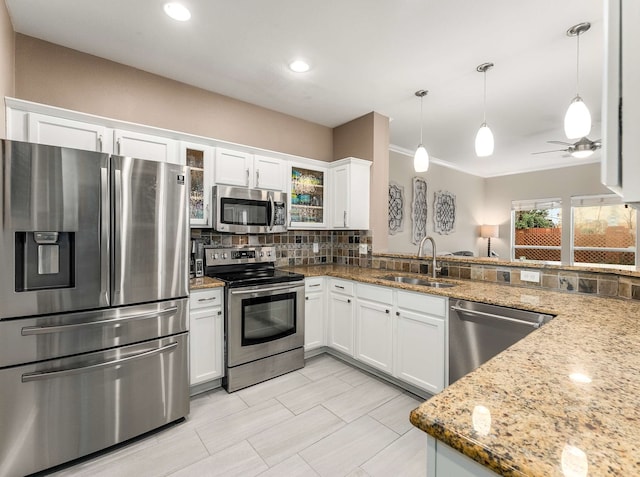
<point>350,193</point>
<point>43,129</point>
<point>621,100</point>
<point>243,169</point>
<point>307,196</point>
<point>145,146</point>
<point>268,173</point>
<point>199,158</point>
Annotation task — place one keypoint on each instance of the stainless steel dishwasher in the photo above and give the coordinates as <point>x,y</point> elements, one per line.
<point>478,332</point>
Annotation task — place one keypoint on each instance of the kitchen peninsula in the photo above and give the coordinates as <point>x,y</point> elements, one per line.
<point>528,411</point>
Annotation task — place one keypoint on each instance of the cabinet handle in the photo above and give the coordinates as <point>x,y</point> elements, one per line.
<point>386,311</point>
<point>397,313</point>
<point>219,313</point>
<point>257,177</point>
<point>100,143</point>
<point>339,286</point>
<point>306,297</point>
<point>118,146</point>
<point>344,218</point>
<point>314,285</point>
<point>247,176</point>
<point>207,299</point>
<point>348,300</point>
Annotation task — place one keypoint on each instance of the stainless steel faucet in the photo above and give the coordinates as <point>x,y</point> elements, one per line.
<point>434,269</point>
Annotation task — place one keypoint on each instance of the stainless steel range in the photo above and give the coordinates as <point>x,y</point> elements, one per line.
<point>93,307</point>
<point>264,322</point>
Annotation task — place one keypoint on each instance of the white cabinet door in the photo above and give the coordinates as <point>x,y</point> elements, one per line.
<point>206,334</point>
<point>374,334</point>
<point>341,323</point>
<point>43,129</point>
<point>233,168</point>
<point>314,320</point>
<point>269,173</point>
<point>145,146</point>
<point>199,158</point>
<point>350,193</point>
<point>308,196</point>
<point>420,350</point>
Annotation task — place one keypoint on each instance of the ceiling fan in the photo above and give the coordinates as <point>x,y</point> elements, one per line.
<point>580,149</point>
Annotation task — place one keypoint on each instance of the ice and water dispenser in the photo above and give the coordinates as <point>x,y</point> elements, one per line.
<point>44,260</point>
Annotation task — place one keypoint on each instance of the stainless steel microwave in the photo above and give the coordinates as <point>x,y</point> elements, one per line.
<point>248,211</point>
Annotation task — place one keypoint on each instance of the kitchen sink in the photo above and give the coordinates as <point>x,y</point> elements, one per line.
<point>417,281</point>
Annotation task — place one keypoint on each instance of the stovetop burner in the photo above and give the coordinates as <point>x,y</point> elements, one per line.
<point>246,267</point>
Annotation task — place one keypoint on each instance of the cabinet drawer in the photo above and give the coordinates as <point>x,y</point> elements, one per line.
<point>433,305</point>
<point>314,284</point>
<point>341,286</point>
<point>205,298</point>
<point>374,293</point>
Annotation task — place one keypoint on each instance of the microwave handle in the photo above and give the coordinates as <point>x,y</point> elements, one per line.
<point>272,209</point>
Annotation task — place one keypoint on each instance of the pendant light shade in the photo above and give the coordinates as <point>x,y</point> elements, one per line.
<point>421,157</point>
<point>484,137</point>
<point>577,120</point>
<point>484,141</point>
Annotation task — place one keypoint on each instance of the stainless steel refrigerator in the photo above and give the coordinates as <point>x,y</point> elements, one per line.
<point>93,307</point>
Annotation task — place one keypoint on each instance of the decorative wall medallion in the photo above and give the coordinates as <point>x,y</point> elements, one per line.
<point>419,210</point>
<point>444,212</point>
<point>396,208</point>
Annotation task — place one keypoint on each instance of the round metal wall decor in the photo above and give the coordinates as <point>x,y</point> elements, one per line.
<point>396,208</point>
<point>444,212</point>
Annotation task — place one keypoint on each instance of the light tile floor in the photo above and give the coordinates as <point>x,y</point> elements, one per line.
<point>327,419</point>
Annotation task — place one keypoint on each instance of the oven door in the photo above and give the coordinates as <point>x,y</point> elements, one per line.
<point>264,320</point>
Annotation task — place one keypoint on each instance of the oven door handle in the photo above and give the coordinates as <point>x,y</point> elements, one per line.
<point>267,289</point>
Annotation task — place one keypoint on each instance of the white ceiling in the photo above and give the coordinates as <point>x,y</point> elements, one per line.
<point>365,55</point>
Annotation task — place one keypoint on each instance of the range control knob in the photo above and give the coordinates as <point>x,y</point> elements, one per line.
<point>224,256</point>
<point>215,256</point>
<point>261,254</point>
<point>268,254</point>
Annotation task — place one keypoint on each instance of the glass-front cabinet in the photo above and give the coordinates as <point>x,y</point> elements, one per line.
<point>199,158</point>
<point>308,197</point>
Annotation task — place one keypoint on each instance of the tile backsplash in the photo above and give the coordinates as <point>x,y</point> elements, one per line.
<point>295,247</point>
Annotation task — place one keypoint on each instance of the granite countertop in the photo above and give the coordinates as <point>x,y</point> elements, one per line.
<point>202,283</point>
<point>521,413</point>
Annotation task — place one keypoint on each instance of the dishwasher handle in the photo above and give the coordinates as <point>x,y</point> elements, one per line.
<point>537,324</point>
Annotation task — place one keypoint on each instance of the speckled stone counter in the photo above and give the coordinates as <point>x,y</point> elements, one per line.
<point>521,413</point>
<point>204,282</point>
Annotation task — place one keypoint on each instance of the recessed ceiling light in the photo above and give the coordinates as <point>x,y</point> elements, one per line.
<point>177,11</point>
<point>299,66</point>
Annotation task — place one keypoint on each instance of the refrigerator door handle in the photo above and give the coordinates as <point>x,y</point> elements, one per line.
<point>116,279</point>
<point>40,330</point>
<point>27,377</point>
<point>104,233</point>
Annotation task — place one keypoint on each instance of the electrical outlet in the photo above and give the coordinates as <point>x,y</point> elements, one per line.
<point>529,276</point>
<point>363,249</point>
<point>316,249</point>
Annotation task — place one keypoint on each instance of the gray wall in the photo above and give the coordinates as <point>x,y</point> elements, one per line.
<point>469,191</point>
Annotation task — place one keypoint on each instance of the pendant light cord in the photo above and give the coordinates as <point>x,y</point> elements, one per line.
<point>421,121</point>
<point>578,65</point>
<point>484,103</point>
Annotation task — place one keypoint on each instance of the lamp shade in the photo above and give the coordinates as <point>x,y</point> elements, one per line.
<point>489,231</point>
<point>421,159</point>
<point>577,120</point>
<point>484,141</point>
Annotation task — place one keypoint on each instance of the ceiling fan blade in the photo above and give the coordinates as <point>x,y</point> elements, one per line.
<point>545,152</point>
<point>562,143</point>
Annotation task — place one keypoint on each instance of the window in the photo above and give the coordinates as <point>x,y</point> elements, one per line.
<point>536,230</point>
<point>604,231</point>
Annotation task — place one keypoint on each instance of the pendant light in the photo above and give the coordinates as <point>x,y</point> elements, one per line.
<point>421,157</point>
<point>484,138</point>
<point>577,120</point>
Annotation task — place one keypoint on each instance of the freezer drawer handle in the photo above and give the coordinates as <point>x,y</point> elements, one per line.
<point>537,324</point>
<point>41,330</point>
<point>83,369</point>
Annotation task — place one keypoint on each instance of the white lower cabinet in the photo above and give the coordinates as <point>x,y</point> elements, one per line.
<point>420,341</point>
<point>206,334</point>
<point>374,327</point>
<point>314,312</point>
<point>341,315</point>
